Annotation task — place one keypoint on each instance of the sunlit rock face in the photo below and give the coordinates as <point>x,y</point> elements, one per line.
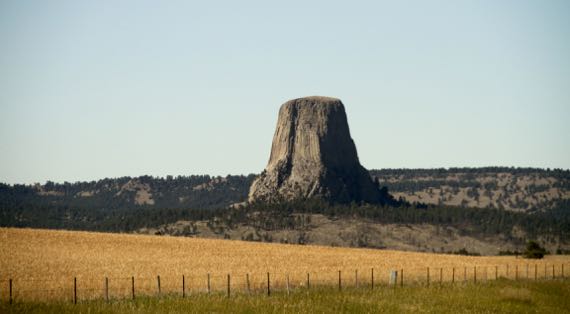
<point>313,156</point>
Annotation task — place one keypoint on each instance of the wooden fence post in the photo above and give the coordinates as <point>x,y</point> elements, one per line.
<point>496,272</point>
<point>287,284</point>
<point>562,270</point>
<point>183,286</point>
<point>474,274</point>
<point>158,283</point>
<point>427,276</point>
<point>268,285</point>
<point>248,284</point>
<point>339,281</point>
<point>74,290</point>
<point>133,286</point>
<point>308,281</point>
<point>106,289</point>
<point>372,277</point>
<point>453,275</point>
<point>209,286</point>
<point>401,277</point>
<point>535,272</point>
<point>440,276</point>
<point>10,288</point>
<point>516,272</point>
<point>228,285</point>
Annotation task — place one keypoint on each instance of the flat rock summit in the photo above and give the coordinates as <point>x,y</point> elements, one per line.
<point>313,156</point>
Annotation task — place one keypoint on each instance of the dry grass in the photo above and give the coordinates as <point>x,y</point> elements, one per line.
<point>49,260</point>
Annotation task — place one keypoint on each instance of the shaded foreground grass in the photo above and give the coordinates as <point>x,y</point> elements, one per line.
<point>502,296</point>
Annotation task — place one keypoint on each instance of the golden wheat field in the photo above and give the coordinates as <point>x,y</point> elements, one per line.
<point>43,264</point>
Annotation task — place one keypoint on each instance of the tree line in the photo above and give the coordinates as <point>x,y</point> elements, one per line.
<point>206,198</point>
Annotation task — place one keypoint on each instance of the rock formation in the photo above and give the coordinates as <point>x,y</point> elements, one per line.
<point>313,156</point>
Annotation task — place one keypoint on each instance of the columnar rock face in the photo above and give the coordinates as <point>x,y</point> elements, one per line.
<point>313,156</point>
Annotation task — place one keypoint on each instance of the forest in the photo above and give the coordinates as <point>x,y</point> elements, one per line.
<point>126,204</point>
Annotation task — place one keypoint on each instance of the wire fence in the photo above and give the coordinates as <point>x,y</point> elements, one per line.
<point>79,289</point>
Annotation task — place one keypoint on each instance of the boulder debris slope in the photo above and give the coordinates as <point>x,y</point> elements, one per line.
<point>314,157</point>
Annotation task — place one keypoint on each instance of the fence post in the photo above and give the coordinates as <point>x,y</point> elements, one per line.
<point>10,288</point>
<point>183,286</point>
<point>107,289</point>
<point>228,285</point>
<point>401,277</point>
<point>526,271</point>
<point>507,275</point>
<point>74,290</point>
<point>393,281</point>
<point>339,281</point>
<point>535,272</point>
<point>496,272</point>
<point>553,273</point>
<point>268,285</point>
<point>209,286</point>
<point>516,272</point>
<point>545,271</point>
<point>133,286</point>
<point>372,277</point>
<point>158,283</point>
<point>308,281</point>
<point>474,274</point>
<point>247,282</point>
<point>427,276</point>
<point>287,284</point>
<point>440,276</point>
<point>562,270</point>
<point>453,275</point>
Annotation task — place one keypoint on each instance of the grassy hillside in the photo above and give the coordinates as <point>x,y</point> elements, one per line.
<point>318,229</point>
<point>43,263</point>
<point>514,189</point>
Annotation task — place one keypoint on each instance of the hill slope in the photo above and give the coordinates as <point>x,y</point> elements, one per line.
<point>514,189</point>
<point>528,204</point>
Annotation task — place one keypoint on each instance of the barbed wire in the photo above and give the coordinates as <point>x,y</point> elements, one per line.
<point>279,280</point>
<point>345,270</point>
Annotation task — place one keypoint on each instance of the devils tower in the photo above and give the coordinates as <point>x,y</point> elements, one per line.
<point>313,156</point>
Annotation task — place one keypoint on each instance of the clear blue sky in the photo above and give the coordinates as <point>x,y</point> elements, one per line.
<point>93,89</point>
